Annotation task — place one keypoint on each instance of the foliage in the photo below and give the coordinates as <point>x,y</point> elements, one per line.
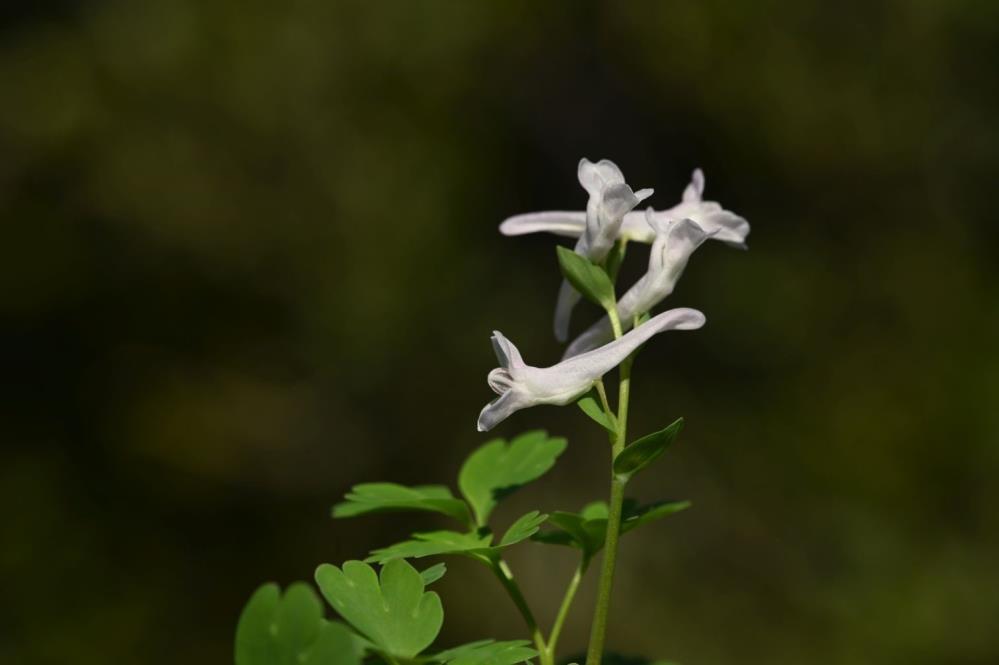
<point>291,630</point>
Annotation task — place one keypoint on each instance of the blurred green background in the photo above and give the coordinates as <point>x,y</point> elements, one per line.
<point>249,258</point>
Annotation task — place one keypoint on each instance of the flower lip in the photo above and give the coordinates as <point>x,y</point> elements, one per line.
<point>500,380</point>
<point>594,177</point>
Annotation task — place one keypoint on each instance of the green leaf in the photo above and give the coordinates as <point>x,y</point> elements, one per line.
<point>496,469</point>
<point>577,531</point>
<point>383,497</point>
<point>433,543</point>
<point>525,527</point>
<point>636,516</point>
<point>591,407</point>
<point>291,630</point>
<point>587,530</point>
<point>487,652</point>
<point>476,544</point>
<point>646,450</point>
<point>433,573</point>
<point>391,609</point>
<point>586,277</point>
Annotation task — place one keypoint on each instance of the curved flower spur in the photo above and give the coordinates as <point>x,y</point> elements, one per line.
<point>520,385</point>
<point>611,199</point>
<point>724,225</point>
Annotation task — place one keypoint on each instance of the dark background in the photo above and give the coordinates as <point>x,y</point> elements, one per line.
<point>249,257</point>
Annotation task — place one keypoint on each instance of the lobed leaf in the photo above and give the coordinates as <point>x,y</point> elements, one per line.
<point>586,277</point>
<point>525,527</point>
<point>487,652</point>
<point>645,450</point>
<point>383,497</point>
<point>391,609</point>
<point>290,630</point>
<point>497,469</point>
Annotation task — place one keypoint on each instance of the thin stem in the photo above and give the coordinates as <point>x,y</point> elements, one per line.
<point>505,576</point>
<point>598,631</point>
<point>623,396</point>
<point>602,392</point>
<point>615,321</point>
<point>563,610</point>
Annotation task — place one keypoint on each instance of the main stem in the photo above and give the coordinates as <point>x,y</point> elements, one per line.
<point>598,631</point>
<point>505,576</point>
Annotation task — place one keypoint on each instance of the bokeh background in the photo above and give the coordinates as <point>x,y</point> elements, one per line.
<point>249,258</point>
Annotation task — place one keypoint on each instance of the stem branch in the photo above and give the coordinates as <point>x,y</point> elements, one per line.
<point>563,610</point>
<point>505,576</point>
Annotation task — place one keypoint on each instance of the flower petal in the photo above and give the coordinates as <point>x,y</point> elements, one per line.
<point>499,410</point>
<point>566,381</point>
<point>616,202</point>
<point>506,351</point>
<point>695,190</point>
<point>727,227</point>
<point>594,177</point>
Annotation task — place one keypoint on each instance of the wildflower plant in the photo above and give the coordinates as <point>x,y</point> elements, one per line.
<point>385,612</point>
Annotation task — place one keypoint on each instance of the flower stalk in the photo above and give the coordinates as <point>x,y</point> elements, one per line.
<point>505,576</point>
<point>598,630</point>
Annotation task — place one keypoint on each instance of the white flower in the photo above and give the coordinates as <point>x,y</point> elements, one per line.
<point>724,225</point>
<point>520,386</point>
<point>674,242</point>
<point>610,200</point>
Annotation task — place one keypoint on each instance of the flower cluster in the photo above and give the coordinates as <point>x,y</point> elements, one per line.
<point>609,221</point>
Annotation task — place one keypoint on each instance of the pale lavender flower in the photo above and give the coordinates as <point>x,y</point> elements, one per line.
<point>674,242</point>
<point>520,385</point>
<point>610,200</point>
<point>722,224</point>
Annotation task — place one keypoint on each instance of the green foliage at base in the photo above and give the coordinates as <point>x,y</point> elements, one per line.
<point>290,630</point>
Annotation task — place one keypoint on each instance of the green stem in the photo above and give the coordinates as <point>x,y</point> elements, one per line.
<point>598,631</point>
<point>623,396</point>
<point>563,610</point>
<point>505,576</point>
<point>615,320</point>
